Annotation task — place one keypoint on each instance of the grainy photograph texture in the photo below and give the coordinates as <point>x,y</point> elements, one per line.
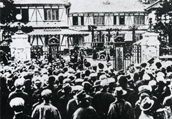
<point>86,59</point>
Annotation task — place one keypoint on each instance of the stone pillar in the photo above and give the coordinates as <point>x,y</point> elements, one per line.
<point>20,47</point>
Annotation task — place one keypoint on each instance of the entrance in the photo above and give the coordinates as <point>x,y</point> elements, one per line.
<point>53,51</point>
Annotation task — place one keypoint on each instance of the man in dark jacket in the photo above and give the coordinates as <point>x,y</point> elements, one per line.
<point>120,109</point>
<point>46,110</point>
<point>85,111</point>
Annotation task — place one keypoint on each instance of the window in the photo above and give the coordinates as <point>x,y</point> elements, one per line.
<point>25,15</point>
<point>114,20</point>
<point>51,14</point>
<point>98,20</point>
<point>82,20</point>
<point>75,20</point>
<point>121,20</point>
<point>139,19</point>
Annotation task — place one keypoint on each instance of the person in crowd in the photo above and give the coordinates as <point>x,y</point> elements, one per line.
<point>120,109</point>
<point>19,92</point>
<point>18,105</point>
<point>85,111</point>
<point>146,106</point>
<point>105,89</point>
<point>46,110</point>
<point>64,99</point>
<point>102,99</point>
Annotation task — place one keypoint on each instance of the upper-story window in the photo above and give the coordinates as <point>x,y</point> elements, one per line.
<point>98,20</point>
<point>121,20</point>
<point>114,20</point>
<point>51,14</point>
<point>75,20</point>
<point>82,20</point>
<point>139,19</point>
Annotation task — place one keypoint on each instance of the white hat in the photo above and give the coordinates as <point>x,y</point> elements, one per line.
<point>160,74</point>
<point>145,88</point>
<point>46,92</point>
<point>17,102</point>
<point>19,82</point>
<point>146,77</point>
<point>104,82</point>
<point>152,83</point>
<point>146,104</point>
<point>160,79</point>
<point>102,77</point>
<point>111,80</point>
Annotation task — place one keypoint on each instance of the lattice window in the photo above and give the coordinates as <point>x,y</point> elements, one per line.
<point>98,20</point>
<point>51,14</point>
<point>139,19</point>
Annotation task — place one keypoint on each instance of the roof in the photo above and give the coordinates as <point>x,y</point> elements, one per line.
<point>40,2</point>
<point>58,32</point>
<point>154,5</point>
<point>83,6</point>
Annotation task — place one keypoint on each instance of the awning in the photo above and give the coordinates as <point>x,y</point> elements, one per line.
<point>65,32</point>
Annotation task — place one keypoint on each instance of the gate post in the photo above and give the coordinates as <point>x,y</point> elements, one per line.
<point>119,53</point>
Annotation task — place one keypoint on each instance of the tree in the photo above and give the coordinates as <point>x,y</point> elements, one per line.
<point>164,22</point>
<point>7,12</point>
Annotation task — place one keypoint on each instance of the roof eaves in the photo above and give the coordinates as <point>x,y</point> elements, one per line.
<point>149,7</point>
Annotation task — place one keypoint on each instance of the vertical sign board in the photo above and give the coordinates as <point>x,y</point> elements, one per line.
<point>119,58</point>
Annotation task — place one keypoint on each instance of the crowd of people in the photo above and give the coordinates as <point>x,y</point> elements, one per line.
<point>78,89</point>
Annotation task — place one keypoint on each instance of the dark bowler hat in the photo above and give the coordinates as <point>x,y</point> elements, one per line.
<point>101,66</point>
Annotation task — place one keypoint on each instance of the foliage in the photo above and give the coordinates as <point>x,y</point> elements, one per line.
<point>7,12</point>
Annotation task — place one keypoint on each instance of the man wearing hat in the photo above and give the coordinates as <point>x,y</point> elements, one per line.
<point>120,109</point>
<point>85,111</point>
<point>46,110</point>
<point>73,104</point>
<point>18,104</point>
<point>18,92</point>
<point>102,100</point>
<point>146,106</point>
<point>64,99</point>
<point>101,71</point>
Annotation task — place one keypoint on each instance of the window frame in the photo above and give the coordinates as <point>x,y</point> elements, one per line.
<point>75,23</point>
<point>115,20</point>
<point>139,19</point>
<point>49,13</point>
<point>98,21</point>
<point>82,20</point>
<point>120,18</point>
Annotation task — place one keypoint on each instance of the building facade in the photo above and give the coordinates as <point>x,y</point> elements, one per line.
<point>115,17</point>
<point>49,20</point>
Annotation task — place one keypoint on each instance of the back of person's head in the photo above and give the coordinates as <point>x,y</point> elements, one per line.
<point>158,64</point>
<point>17,104</point>
<point>123,81</point>
<point>19,83</point>
<point>46,94</point>
<point>169,69</point>
<point>51,80</point>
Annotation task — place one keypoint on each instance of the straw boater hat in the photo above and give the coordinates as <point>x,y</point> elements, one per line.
<point>146,104</point>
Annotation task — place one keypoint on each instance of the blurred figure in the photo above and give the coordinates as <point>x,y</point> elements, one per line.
<point>46,110</point>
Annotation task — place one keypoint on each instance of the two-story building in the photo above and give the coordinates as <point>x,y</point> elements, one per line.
<point>125,16</point>
<point>49,19</point>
